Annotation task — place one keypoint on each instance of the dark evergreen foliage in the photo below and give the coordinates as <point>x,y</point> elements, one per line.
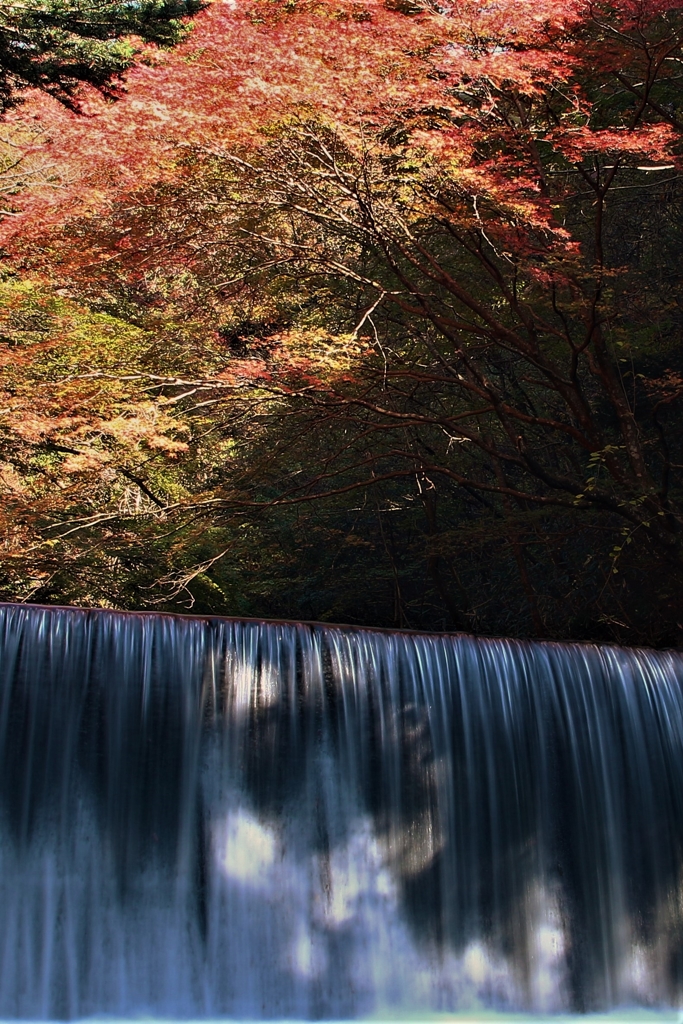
<point>57,45</point>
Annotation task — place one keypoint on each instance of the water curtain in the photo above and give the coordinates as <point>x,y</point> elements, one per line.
<point>222,818</point>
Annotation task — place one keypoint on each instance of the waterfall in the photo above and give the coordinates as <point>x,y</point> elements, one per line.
<point>223,818</point>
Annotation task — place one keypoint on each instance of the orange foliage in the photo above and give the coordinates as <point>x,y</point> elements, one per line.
<point>249,64</point>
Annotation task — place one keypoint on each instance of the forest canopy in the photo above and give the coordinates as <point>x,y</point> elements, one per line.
<point>361,312</point>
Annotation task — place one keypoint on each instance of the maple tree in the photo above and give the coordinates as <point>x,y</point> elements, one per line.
<point>429,257</point>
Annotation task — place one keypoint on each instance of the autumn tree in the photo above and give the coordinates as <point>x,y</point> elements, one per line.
<point>437,279</point>
<point>520,319</point>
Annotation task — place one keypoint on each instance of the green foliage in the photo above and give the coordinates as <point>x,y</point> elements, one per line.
<point>57,45</point>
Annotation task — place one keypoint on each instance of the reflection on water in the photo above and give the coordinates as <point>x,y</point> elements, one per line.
<point>249,849</point>
<point>211,819</point>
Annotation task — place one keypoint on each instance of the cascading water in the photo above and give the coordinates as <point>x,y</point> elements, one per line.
<point>224,818</point>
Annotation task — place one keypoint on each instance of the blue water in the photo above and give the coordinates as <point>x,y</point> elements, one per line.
<point>215,819</point>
